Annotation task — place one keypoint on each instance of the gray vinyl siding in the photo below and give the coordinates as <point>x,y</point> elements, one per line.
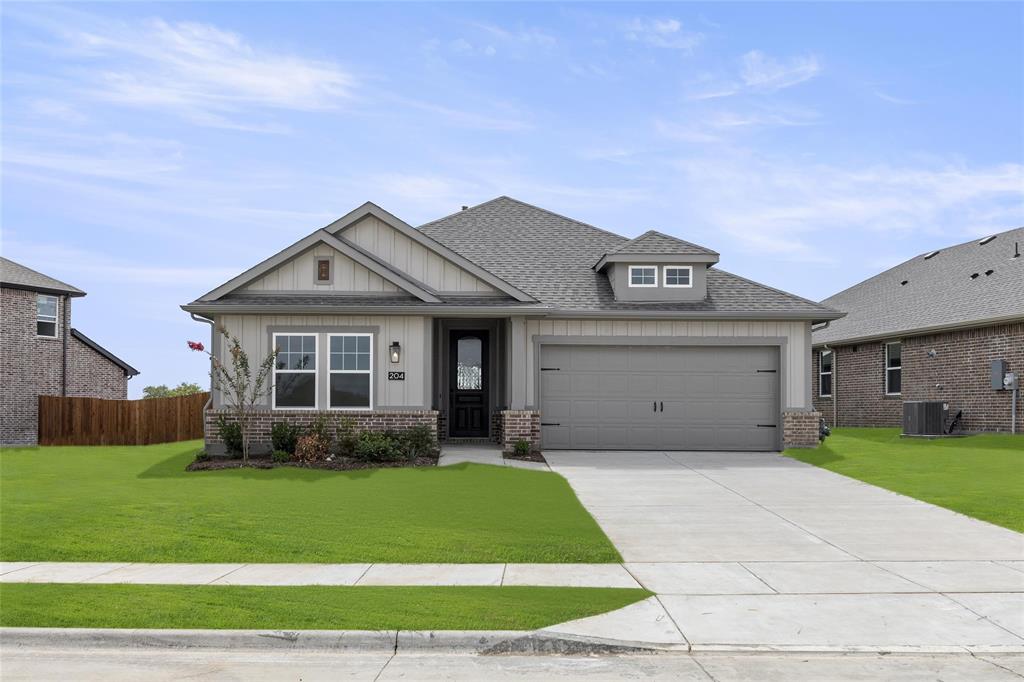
<point>411,331</point>
<point>795,361</point>
<point>299,274</point>
<point>412,258</point>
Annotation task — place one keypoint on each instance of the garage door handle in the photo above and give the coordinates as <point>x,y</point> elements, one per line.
<point>662,406</point>
<point>767,371</point>
<point>550,424</point>
<point>654,406</point>
<point>767,426</point>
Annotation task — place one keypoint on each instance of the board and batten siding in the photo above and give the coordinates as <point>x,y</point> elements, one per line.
<point>796,362</point>
<point>299,274</point>
<point>413,332</point>
<point>412,258</point>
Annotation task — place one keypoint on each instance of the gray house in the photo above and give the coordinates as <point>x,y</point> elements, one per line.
<point>927,329</point>
<point>505,321</point>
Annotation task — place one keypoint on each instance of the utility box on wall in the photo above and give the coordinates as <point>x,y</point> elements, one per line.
<point>998,372</point>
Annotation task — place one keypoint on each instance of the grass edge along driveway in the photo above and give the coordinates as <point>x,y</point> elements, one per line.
<point>138,504</point>
<point>981,476</point>
<point>304,608</point>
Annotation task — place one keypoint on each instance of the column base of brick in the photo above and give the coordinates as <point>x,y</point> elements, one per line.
<point>517,425</point>
<point>800,428</point>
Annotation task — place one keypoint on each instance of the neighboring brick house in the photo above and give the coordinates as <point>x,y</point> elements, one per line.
<point>926,329</point>
<point>40,354</point>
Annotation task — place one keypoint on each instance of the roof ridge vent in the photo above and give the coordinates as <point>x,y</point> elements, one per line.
<point>930,255</point>
<point>986,240</point>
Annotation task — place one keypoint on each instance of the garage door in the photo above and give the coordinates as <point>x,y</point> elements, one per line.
<point>659,397</point>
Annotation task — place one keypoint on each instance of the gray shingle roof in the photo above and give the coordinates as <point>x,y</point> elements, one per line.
<point>940,292</point>
<point>654,242</point>
<point>18,276</point>
<point>550,257</point>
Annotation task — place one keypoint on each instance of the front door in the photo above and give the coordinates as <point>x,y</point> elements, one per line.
<point>469,414</point>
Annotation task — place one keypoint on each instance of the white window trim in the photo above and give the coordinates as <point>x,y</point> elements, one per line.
<point>371,372</point>
<point>55,320</point>
<point>629,279</point>
<point>821,373</point>
<point>888,368</point>
<point>315,372</point>
<point>664,280</point>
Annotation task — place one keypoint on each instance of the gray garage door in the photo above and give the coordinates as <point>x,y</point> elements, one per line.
<point>660,397</point>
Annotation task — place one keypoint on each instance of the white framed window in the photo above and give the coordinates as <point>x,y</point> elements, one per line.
<point>47,310</point>
<point>825,374</point>
<point>643,275</point>
<point>893,368</point>
<point>350,371</point>
<point>678,276</point>
<point>295,373</point>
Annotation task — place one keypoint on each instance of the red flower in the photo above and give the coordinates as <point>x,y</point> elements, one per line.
<point>196,345</point>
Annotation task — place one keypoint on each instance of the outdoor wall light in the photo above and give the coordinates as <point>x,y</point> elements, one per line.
<point>396,352</point>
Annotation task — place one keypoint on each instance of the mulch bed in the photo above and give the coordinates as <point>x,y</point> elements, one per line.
<point>532,457</point>
<point>336,464</point>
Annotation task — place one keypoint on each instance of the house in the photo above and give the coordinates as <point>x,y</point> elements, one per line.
<point>41,354</point>
<point>927,329</point>
<point>509,322</point>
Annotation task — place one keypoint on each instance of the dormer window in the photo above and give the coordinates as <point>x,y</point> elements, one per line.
<point>643,275</point>
<point>679,276</point>
<point>323,270</point>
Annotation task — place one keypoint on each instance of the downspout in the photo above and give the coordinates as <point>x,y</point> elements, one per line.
<point>64,346</point>
<point>835,375</point>
<point>209,401</point>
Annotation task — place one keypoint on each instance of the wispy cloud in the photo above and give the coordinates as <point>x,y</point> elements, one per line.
<point>757,72</point>
<point>201,72</point>
<point>665,33</point>
<point>892,99</point>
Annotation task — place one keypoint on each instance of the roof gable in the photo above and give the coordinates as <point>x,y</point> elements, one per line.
<point>298,273</point>
<point>654,242</point>
<point>957,286</point>
<point>17,276</point>
<point>356,254</point>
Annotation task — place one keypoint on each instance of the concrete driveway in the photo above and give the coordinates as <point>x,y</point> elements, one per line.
<point>759,550</point>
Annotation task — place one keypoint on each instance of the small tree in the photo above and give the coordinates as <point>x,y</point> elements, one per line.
<point>241,388</point>
<point>161,391</point>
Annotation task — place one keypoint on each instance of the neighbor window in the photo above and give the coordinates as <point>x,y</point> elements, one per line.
<point>893,368</point>
<point>643,276</point>
<point>351,371</point>
<point>46,316</point>
<point>678,276</point>
<point>323,270</point>
<point>825,374</point>
<point>295,371</point>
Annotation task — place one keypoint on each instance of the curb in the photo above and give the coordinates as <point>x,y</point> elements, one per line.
<point>478,642</point>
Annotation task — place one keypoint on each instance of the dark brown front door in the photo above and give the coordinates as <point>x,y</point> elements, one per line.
<point>468,384</point>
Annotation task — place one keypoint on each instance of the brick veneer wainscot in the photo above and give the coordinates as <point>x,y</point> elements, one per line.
<point>264,419</point>
<point>959,374</point>
<point>800,428</point>
<point>519,425</point>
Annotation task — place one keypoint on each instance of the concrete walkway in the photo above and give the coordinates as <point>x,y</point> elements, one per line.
<point>483,454</point>
<point>758,551</point>
<point>557,575</point>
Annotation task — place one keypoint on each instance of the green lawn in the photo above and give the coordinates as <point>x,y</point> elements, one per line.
<point>981,476</point>
<point>303,608</point>
<point>139,504</point>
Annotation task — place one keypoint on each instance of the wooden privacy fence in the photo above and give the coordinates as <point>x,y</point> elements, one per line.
<point>94,421</point>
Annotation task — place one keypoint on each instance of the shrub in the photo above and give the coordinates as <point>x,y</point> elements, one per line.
<point>347,437</point>
<point>281,456</point>
<point>201,456</point>
<point>419,441</point>
<point>231,433</point>
<point>377,446</point>
<point>522,447</point>
<point>284,436</point>
<point>311,448</point>
<point>321,427</point>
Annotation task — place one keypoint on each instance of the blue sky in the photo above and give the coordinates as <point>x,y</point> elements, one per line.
<point>152,151</point>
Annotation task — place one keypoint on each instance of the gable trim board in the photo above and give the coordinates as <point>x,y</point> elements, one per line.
<point>371,209</point>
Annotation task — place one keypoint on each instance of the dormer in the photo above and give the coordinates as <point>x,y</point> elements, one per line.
<point>655,267</point>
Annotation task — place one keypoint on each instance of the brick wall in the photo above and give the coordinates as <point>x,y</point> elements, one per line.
<point>958,374</point>
<point>90,375</point>
<point>520,425</point>
<point>800,429</point>
<point>30,366</point>
<point>364,421</point>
